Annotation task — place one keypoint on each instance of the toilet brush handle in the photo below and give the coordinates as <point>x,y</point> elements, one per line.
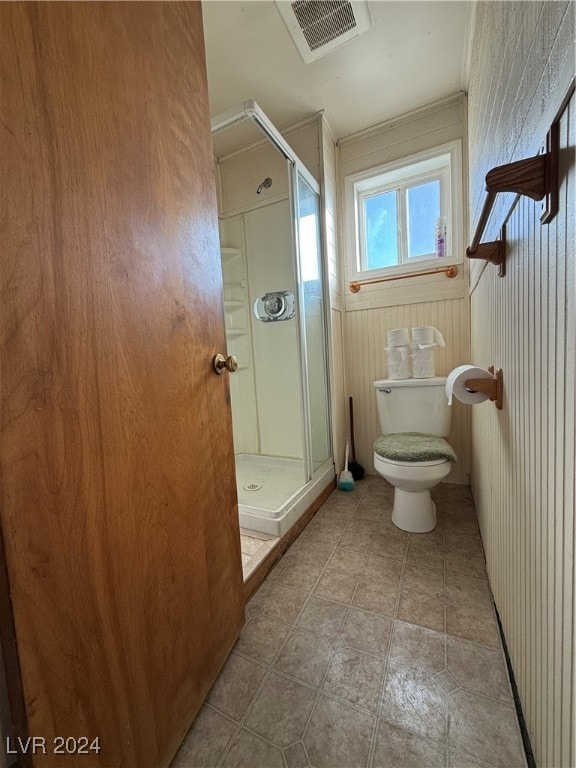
<point>351,404</point>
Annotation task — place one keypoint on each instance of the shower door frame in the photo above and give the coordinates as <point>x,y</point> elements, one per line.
<point>250,109</point>
<point>296,169</point>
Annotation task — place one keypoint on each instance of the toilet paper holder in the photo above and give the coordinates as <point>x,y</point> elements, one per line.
<point>492,388</point>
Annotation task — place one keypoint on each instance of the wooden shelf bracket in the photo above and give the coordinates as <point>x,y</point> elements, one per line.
<point>536,178</point>
<point>493,251</point>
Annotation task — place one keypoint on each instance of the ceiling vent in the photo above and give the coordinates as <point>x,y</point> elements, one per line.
<point>319,26</point>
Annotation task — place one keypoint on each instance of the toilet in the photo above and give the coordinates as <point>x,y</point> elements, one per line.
<point>411,453</point>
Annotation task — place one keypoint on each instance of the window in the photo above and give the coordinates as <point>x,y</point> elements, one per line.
<point>393,211</point>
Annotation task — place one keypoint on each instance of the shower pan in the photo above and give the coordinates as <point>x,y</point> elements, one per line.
<point>276,323</point>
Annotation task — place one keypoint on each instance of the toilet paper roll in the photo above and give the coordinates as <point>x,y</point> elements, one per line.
<point>423,362</point>
<point>456,384</point>
<point>427,336</point>
<point>399,363</point>
<point>398,337</point>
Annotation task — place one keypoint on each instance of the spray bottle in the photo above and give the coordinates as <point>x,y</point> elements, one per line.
<point>440,237</point>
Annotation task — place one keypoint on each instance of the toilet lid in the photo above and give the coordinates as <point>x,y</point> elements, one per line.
<point>414,446</point>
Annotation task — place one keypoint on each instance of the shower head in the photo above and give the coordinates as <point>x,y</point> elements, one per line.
<point>266,184</point>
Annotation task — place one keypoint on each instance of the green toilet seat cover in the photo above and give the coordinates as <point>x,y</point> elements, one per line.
<point>413,446</point>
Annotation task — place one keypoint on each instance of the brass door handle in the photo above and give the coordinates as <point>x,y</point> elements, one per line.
<point>221,363</point>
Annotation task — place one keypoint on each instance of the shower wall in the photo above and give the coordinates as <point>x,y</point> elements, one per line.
<point>239,173</point>
<point>266,397</point>
<point>276,363</point>
<point>242,384</point>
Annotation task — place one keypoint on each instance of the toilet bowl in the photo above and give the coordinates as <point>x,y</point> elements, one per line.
<point>411,454</point>
<point>413,509</point>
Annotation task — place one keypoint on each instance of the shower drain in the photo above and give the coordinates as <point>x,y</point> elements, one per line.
<point>253,487</point>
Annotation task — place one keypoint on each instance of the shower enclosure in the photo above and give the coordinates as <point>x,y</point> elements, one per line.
<point>276,324</point>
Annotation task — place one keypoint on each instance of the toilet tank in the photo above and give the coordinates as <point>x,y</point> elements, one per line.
<point>413,405</point>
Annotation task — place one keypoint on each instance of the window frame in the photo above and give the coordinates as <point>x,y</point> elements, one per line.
<point>359,186</point>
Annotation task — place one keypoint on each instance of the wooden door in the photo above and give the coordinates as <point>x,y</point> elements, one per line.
<point>118,500</point>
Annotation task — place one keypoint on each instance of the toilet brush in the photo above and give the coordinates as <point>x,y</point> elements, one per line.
<point>346,481</point>
<point>357,469</point>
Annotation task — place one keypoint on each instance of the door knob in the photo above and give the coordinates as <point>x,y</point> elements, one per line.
<point>221,363</point>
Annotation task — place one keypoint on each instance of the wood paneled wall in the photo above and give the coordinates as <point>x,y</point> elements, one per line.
<point>328,183</point>
<point>365,341</point>
<point>433,301</point>
<point>523,456</point>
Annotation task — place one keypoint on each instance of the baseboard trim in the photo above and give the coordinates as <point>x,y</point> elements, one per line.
<point>530,759</point>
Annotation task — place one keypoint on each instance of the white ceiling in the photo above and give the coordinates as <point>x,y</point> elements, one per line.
<point>414,53</point>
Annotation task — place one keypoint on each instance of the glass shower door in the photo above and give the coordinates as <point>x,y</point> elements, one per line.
<point>313,321</point>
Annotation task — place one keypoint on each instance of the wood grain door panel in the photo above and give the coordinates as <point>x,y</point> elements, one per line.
<point>118,499</point>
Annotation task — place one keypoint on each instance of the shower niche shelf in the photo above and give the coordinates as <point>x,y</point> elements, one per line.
<point>236,305</point>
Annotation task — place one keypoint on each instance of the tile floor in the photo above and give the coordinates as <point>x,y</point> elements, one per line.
<point>367,647</point>
<point>254,547</point>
